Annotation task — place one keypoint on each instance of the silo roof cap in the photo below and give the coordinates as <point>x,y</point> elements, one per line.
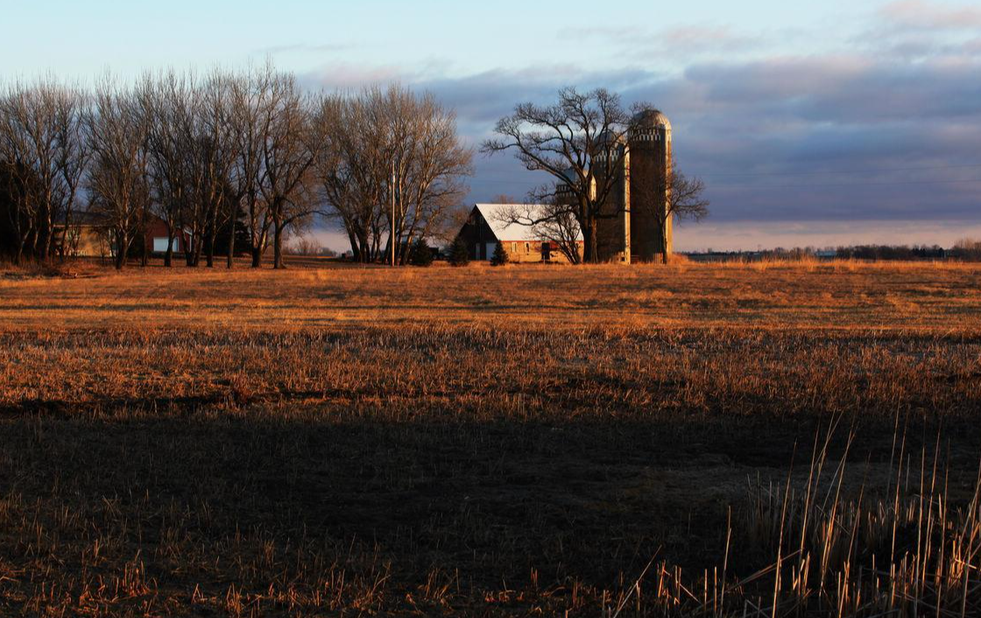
<point>651,118</point>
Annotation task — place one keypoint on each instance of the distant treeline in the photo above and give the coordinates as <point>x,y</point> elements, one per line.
<point>892,252</point>
<point>966,250</point>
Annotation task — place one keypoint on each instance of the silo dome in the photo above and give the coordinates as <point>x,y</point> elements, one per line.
<point>608,138</point>
<point>651,119</point>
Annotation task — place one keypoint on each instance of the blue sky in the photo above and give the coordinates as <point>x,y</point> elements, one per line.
<point>455,38</point>
<point>811,123</point>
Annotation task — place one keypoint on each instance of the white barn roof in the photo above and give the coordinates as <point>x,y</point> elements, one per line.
<point>497,217</point>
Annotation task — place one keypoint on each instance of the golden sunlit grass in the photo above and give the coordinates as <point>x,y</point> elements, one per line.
<point>766,295</point>
<point>491,441</point>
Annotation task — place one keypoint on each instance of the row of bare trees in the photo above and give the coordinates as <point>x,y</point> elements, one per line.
<point>249,157</point>
<point>221,158</point>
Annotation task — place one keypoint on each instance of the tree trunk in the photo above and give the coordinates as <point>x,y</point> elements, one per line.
<point>404,255</point>
<point>122,246</point>
<point>364,248</point>
<point>256,257</point>
<point>169,254</point>
<point>212,238</point>
<point>142,233</point>
<point>43,242</point>
<point>189,248</point>
<point>355,247</point>
<point>210,256</point>
<point>63,249</point>
<point>21,238</point>
<point>198,248</point>
<point>277,245</point>
<point>231,236</point>
<point>590,246</point>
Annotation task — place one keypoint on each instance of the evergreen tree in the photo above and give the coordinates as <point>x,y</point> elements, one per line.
<point>500,257</point>
<point>421,254</point>
<point>459,254</point>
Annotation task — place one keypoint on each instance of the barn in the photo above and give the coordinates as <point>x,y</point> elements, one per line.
<point>90,236</point>
<point>489,224</point>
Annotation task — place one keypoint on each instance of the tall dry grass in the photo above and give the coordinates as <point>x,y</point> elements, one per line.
<point>904,549</point>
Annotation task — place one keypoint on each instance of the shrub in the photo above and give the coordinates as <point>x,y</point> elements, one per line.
<point>500,257</point>
<point>459,254</point>
<point>421,254</point>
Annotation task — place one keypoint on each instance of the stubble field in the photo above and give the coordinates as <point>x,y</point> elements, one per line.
<point>491,441</point>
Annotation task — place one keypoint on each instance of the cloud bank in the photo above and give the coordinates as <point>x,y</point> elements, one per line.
<point>882,134</point>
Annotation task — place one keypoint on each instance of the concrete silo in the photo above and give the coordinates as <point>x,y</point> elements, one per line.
<point>649,186</point>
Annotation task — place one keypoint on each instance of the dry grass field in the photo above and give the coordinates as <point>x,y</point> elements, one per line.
<point>695,439</point>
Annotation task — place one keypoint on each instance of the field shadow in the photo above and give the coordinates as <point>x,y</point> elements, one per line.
<point>583,498</point>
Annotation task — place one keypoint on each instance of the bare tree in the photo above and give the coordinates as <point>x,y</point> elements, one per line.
<point>250,95</point>
<point>200,153</point>
<point>393,163</point>
<point>44,150</point>
<point>17,198</point>
<point>191,149</point>
<point>288,156</point>
<point>581,141</point>
<point>73,155</point>
<point>168,107</point>
<point>217,153</point>
<point>430,164</point>
<point>118,183</point>
<point>345,172</point>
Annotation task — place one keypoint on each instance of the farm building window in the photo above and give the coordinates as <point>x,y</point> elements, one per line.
<point>514,247</point>
<point>160,244</point>
<point>527,247</point>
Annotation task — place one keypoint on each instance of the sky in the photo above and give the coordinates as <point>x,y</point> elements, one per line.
<point>811,123</point>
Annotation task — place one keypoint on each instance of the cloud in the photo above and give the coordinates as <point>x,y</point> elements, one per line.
<point>923,15</point>
<point>914,30</point>
<point>684,41</point>
<point>345,76</point>
<point>829,138</point>
<point>479,98</point>
<point>881,133</point>
<point>836,137</point>
<point>839,89</point>
<point>701,38</point>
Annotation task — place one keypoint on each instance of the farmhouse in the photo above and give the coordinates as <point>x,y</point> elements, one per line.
<point>490,224</point>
